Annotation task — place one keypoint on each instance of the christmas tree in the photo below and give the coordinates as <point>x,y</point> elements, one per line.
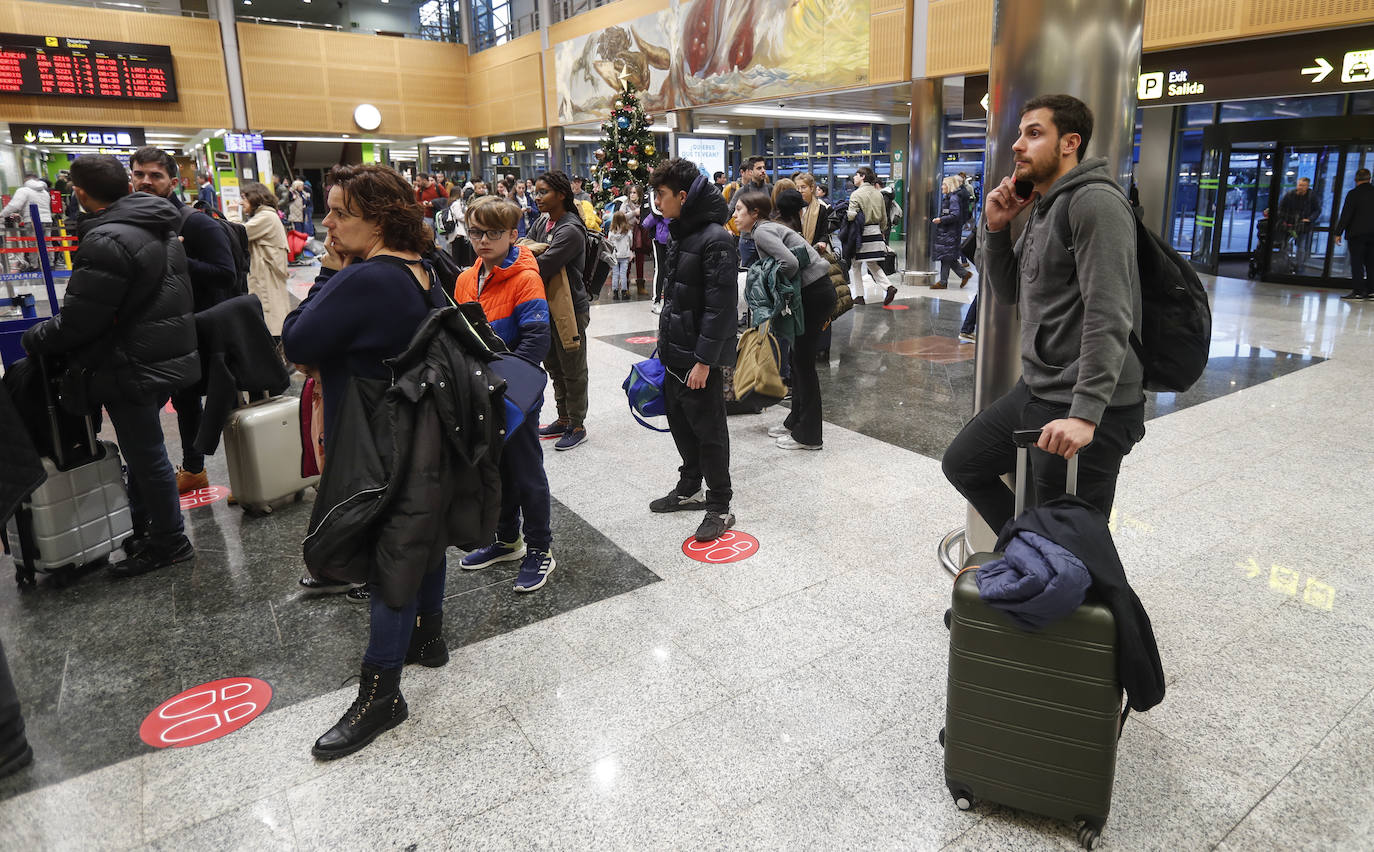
<point>627,153</point>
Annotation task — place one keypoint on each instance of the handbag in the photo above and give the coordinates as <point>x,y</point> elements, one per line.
<point>758,368</point>
<point>644,389</point>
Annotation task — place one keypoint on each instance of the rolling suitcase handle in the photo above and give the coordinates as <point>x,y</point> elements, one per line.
<point>1024,440</point>
<point>50,400</point>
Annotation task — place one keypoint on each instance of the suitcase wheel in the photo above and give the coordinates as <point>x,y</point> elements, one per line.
<point>1088,834</point>
<point>300,496</point>
<point>963,799</point>
<point>949,617</point>
<point>942,738</point>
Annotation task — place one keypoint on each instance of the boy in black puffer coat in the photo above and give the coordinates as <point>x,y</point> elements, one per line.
<point>696,334</point>
<point>128,332</point>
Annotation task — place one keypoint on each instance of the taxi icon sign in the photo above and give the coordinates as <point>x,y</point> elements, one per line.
<point>1358,67</point>
<point>1151,86</point>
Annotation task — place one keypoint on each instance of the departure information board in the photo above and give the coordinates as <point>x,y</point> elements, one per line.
<point>57,65</point>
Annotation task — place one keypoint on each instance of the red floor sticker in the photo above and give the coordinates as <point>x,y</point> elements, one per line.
<point>203,497</point>
<point>206,712</point>
<point>896,307</point>
<point>641,340</point>
<point>731,547</point>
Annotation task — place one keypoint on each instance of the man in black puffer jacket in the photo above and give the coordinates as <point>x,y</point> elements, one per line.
<point>129,335</point>
<point>696,337</point>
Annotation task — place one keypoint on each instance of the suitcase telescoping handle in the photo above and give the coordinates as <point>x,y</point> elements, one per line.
<point>50,400</point>
<point>1024,440</point>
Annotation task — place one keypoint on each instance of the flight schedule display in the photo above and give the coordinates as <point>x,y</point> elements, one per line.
<point>57,65</point>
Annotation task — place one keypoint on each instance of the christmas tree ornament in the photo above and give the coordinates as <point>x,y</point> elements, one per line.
<point>600,153</point>
<point>649,150</point>
<point>623,122</point>
<point>632,164</point>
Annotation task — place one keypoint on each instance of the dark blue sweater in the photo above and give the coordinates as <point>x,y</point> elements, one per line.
<point>352,321</point>
<point>210,258</point>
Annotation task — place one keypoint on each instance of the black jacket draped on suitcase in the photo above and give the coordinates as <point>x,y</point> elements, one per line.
<point>413,464</point>
<point>1082,530</point>
<point>236,354</point>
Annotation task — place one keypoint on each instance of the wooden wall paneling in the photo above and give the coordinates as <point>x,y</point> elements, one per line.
<point>959,38</point>
<point>1263,17</point>
<point>196,56</point>
<point>1174,22</point>
<point>889,47</point>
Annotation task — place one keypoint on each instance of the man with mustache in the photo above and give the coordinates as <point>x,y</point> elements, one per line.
<point>214,278</point>
<point>1073,277</point>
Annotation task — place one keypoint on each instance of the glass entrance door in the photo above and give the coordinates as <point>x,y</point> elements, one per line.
<point>1356,157</point>
<point>1305,185</point>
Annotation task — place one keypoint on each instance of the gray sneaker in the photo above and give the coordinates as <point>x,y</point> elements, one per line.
<point>714,525</point>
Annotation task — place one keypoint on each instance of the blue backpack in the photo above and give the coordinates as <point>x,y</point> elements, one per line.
<point>644,389</point>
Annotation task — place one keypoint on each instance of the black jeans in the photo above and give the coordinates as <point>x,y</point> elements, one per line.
<point>12,739</point>
<point>189,412</point>
<point>389,629</point>
<point>818,302</point>
<point>660,269</point>
<point>697,420</point>
<point>983,452</point>
<point>153,499</point>
<point>1361,263</point>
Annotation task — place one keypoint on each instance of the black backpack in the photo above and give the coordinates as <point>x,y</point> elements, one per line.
<point>1176,321</point>
<point>238,246</point>
<point>1176,318</point>
<point>596,264</point>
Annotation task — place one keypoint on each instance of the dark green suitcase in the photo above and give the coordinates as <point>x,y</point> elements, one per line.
<point>1032,717</point>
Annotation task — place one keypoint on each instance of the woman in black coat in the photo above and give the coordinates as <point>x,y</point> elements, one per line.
<point>949,228</point>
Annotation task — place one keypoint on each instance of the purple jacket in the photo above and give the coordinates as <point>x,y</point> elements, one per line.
<point>660,226</point>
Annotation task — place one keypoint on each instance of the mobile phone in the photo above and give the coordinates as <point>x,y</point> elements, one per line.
<point>1023,189</point>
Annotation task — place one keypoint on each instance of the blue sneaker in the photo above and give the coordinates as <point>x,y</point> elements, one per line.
<point>498,551</point>
<point>534,570</point>
<point>571,438</point>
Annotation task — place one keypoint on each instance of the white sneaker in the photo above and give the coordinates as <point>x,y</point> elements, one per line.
<point>786,442</point>
<point>967,338</point>
<point>656,308</point>
<point>778,431</point>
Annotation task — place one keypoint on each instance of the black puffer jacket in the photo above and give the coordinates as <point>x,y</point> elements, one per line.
<point>126,319</point>
<point>701,296</point>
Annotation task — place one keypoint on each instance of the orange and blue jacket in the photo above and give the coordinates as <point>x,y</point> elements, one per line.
<point>512,297</point>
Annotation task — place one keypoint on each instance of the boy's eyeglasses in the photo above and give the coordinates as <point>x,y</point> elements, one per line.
<point>493,235</point>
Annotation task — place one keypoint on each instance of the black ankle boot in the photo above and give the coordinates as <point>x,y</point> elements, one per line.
<point>427,645</point>
<point>379,707</point>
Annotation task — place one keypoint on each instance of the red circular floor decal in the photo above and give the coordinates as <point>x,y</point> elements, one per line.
<point>641,340</point>
<point>206,712</point>
<point>204,497</point>
<point>731,547</point>
<point>896,307</point>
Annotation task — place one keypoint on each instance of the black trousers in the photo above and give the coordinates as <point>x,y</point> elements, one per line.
<point>189,412</point>
<point>818,302</point>
<point>983,452</point>
<point>12,739</point>
<point>1361,264</point>
<point>696,419</point>
<point>660,269</point>
<point>153,499</point>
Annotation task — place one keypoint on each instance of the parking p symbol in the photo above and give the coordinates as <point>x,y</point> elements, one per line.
<point>1151,86</point>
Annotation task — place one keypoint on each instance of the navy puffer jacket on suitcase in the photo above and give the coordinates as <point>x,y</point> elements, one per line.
<point>126,318</point>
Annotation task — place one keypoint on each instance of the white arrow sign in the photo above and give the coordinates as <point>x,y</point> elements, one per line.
<point>1321,69</point>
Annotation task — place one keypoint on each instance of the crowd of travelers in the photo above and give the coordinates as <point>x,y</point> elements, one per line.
<point>391,241</point>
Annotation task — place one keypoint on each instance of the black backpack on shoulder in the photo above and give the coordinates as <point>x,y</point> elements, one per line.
<point>1176,318</point>
<point>597,263</point>
<point>238,246</point>
<point>1176,322</point>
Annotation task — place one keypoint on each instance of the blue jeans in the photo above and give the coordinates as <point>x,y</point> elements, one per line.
<point>390,629</point>
<point>153,499</point>
<point>971,318</point>
<point>620,275</point>
<point>525,489</point>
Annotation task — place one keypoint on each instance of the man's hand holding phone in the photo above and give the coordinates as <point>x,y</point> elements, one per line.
<point>1003,204</point>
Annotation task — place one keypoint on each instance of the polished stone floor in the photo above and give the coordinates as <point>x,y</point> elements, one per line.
<point>789,700</point>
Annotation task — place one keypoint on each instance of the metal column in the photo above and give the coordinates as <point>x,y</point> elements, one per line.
<point>923,178</point>
<point>229,39</point>
<point>1040,47</point>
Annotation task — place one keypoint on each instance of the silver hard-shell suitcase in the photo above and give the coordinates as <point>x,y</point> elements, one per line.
<point>262,444</point>
<point>79,515</point>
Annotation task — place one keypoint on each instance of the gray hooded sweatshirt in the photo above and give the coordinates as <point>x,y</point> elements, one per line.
<point>1073,278</point>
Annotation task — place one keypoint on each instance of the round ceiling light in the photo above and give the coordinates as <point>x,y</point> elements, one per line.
<point>367,116</point>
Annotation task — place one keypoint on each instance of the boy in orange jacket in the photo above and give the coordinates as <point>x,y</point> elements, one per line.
<point>507,284</point>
